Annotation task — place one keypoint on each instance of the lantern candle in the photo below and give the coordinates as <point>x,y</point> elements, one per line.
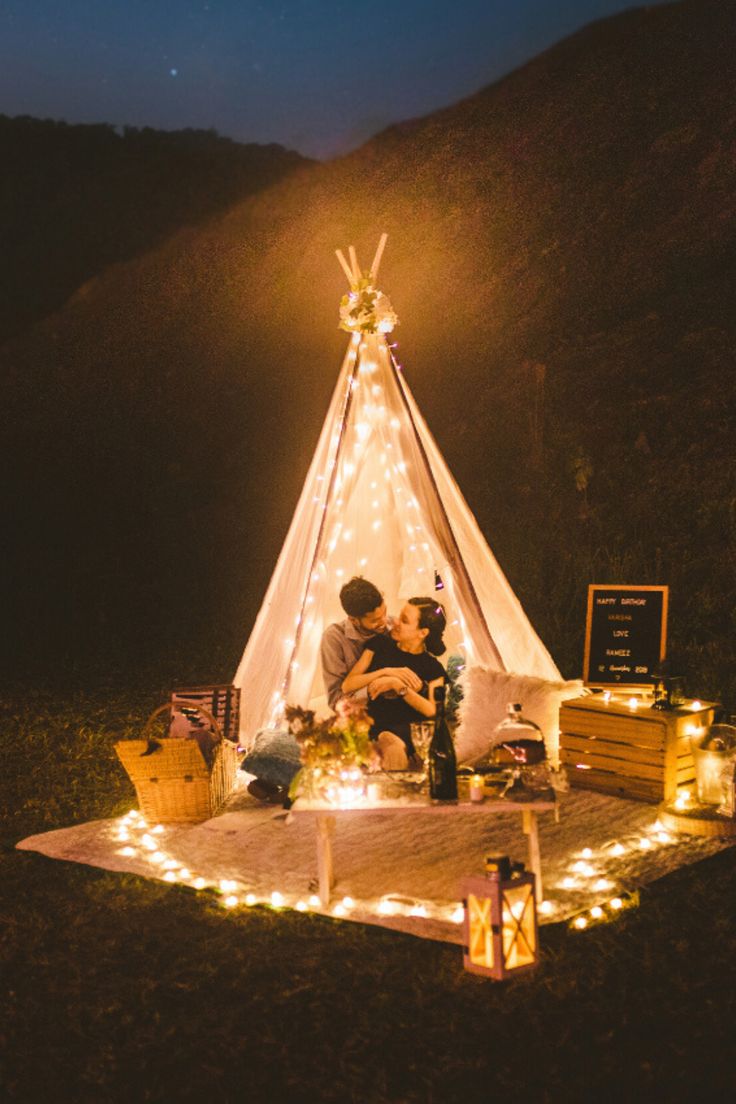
<point>476,788</point>
<point>500,923</point>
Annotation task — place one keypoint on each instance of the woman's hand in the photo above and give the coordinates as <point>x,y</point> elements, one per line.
<point>406,675</point>
<point>384,684</point>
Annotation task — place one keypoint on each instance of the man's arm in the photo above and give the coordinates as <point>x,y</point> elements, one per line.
<point>334,667</point>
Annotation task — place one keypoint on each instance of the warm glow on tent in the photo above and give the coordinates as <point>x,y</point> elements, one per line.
<point>378,501</point>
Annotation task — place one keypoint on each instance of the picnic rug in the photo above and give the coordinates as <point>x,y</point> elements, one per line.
<point>393,870</point>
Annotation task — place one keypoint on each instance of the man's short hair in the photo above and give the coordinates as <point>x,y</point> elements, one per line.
<point>359,597</point>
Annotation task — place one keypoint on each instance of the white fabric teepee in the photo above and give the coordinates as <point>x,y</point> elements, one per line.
<point>378,501</point>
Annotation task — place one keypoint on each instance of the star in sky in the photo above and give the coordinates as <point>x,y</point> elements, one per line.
<point>317,75</point>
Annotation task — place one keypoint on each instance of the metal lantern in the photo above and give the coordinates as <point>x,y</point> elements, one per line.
<point>500,920</point>
<point>668,689</point>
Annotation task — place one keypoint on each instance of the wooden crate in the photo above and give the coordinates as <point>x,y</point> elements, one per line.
<point>223,702</point>
<point>643,754</point>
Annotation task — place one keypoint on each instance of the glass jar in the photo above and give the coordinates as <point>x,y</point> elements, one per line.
<point>713,753</point>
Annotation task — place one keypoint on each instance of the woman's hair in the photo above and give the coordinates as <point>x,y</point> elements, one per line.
<point>432,617</point>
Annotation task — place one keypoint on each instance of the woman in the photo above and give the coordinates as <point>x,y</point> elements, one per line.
<point>415,640</point>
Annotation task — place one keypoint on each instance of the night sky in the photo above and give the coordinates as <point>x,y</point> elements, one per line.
<point>319,76</point>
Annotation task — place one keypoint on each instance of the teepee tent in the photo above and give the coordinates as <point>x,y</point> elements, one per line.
<point>378,501</point>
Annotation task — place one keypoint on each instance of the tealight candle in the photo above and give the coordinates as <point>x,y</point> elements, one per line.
<point>476,788</point>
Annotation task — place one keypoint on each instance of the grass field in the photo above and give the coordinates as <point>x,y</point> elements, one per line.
<point>120,989</point>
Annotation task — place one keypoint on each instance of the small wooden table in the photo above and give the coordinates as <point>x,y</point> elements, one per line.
<point>326,818</point>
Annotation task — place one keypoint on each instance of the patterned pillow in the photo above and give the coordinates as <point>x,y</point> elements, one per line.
<point>274,757</point>
<point>485,697</point>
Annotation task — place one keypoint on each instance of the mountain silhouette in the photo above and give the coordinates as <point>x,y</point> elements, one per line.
<point>561,257</point>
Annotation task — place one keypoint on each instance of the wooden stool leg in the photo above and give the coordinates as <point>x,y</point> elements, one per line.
<point>325,832</point>
<point>535,861</point>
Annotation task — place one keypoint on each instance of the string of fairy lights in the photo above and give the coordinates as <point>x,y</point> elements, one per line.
<point>590,872</point>
<point>363,490</point>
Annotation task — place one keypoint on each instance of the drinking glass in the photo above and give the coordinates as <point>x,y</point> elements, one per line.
<point>421,737</point>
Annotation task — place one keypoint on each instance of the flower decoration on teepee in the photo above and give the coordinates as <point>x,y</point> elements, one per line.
<point>364,309</point>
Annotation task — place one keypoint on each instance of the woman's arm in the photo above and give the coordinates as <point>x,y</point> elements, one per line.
<point>360,676</point>
<point>420,703</point>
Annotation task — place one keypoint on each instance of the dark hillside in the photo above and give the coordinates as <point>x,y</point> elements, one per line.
<point>561,257</point>
<point>74,199</point>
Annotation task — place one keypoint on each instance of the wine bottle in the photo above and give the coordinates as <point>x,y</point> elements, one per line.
<point>442,760</point>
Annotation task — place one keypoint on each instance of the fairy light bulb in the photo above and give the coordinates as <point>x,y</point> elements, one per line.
<point>231,901</point>
<point>602,885</point>
<point>277,899</point>
<point>580,922</point>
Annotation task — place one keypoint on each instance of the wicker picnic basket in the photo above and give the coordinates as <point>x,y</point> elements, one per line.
<point>174,783</point>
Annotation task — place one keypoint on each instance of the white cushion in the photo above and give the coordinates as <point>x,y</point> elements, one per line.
<point>485,697</point>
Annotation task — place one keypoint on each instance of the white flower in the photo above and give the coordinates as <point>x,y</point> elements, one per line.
<point>365,310</point>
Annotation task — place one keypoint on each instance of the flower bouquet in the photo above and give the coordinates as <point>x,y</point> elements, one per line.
<point>366,310</point>
<point>336,754</point>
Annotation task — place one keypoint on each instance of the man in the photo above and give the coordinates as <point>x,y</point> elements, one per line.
<point>343,642</point>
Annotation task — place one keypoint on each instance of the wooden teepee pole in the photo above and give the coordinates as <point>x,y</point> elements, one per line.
<point>354,263</point>
<point>377,258</point>
<point>345,266</point>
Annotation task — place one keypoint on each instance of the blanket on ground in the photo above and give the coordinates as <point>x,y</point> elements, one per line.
<point>397,871</point>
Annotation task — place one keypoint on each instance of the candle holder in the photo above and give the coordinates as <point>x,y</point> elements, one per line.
<point>500,921</point>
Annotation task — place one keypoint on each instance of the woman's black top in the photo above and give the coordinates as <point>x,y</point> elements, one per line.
<point>392,713</point>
